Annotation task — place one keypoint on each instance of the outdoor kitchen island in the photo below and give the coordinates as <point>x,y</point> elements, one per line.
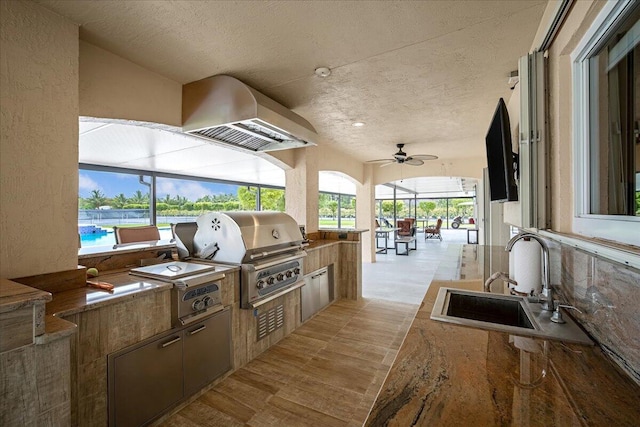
<point>446,374</point>
<point>139,309</point>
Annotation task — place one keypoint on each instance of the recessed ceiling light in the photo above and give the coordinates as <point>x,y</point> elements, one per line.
<point>323,72</point>
<point>357,124</point>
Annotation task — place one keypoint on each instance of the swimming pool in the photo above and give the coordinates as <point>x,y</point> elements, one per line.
<point>109,239</point>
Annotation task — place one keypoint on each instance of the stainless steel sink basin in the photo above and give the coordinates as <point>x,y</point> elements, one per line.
<point>504,313</point>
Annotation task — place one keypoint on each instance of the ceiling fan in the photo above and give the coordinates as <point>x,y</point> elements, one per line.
<point>403,159</point>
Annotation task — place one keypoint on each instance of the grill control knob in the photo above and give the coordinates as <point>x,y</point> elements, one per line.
<point>289,273</point>
<point>296,270</point>
<point>260,284</point>
<point>197,305</point>
<point>280,277</point>
<point>270,280</point>
<point>208,301</point>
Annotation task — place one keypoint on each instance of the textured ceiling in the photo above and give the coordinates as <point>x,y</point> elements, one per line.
<point>428,74</point>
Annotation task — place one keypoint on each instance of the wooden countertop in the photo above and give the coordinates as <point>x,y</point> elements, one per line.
<point>452,375</point>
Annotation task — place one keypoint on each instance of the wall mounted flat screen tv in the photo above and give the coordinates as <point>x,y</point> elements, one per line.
<point>501,161</point>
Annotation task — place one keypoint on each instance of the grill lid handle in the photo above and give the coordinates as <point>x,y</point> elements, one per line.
<point>276,251</point>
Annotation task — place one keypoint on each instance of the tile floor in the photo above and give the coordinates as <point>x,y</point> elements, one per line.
<point>406,278</point>
<point>328,372</point>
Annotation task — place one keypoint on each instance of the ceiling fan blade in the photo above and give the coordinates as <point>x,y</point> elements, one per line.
<point>390,162</point>
<point>424,157</point>
<point>413,162</point>
<point>380,161</point>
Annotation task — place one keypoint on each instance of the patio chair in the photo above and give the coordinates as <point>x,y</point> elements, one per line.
<point>405,235</point>
<point>413,225</point>
<point>433,232</point>
<point>136,234</point>
<point>405,229</point>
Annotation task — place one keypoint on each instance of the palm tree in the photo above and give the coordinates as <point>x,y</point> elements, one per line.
<point>119,201</point>
<point>96,199</point>
<point>139,198</point>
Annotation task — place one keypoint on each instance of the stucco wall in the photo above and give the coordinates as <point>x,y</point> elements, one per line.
<point>112,87</point>
<point>39,141</point>
<point>301,194</point>
<point>561,113</point>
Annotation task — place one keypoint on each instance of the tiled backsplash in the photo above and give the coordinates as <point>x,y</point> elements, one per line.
<point>608,294</point>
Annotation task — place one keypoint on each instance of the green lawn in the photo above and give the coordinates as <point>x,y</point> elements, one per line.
<point>333,223</point>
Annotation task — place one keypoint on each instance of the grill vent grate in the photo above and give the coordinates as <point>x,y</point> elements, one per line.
<point>270,320</point>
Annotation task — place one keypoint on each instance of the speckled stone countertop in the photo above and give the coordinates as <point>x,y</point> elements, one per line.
<point>452,375</point>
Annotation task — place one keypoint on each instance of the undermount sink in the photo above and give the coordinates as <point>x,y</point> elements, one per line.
<point>504,313</point>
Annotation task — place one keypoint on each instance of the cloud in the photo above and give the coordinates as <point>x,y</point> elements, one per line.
<point>86,185</point>
<point>191,190</point>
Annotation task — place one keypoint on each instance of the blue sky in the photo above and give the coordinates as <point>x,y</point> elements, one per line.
<point>111,184</point>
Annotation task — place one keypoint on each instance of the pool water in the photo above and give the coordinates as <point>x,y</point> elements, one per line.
<point>109,239</point>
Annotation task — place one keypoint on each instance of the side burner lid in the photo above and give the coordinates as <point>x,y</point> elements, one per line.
<point>171,270</point>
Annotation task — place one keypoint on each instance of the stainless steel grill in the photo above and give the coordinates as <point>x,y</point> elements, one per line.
<point>267,246</point>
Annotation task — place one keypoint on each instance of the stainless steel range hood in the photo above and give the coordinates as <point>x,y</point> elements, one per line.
<point>223,109</point>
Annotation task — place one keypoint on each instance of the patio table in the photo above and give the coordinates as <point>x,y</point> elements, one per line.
<point>383,233</point>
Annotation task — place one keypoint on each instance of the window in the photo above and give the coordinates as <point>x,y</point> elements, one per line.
<point>271,199</point>
<point>109,197</point>
<point>606,67</point>
<point>183,200</point>
<point>336,210</point>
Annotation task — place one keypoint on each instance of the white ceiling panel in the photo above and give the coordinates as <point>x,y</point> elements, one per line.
<point>138,147</point>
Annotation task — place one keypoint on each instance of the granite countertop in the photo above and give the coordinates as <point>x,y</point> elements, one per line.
<point>126,286</point>
<point>345,230</point>
<point>452,375</point>
<point>86,298</point>
<point>15,295</point>
<point>315,244</point>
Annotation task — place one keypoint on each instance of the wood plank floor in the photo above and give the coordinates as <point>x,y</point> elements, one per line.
<point>326,373</point>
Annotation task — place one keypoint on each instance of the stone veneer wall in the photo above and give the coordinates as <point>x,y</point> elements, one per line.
<point>34,385</point>
<point>106,330</point>
<point>608,294</point>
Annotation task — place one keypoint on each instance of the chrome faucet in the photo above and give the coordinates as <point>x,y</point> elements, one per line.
<point>546,296</point>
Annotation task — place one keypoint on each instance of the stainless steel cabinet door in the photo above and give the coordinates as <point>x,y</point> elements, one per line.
<point>315,294</point>
<point>207,351</point>
<point>146,381</point>
<point>309,298</point>
<point>322,282</point>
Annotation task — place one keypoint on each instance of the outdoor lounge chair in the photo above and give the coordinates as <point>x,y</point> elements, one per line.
<point>433,232</point>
